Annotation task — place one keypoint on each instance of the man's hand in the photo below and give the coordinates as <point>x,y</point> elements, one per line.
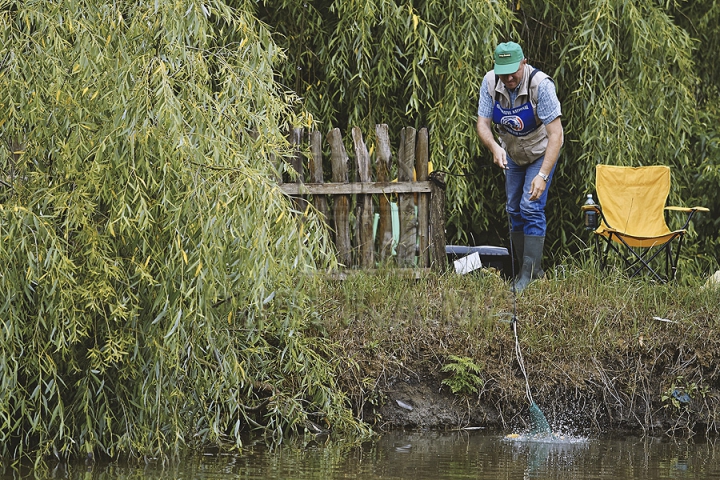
<point>484,131</point>
<point>537,187</point>
<point>499,157</point>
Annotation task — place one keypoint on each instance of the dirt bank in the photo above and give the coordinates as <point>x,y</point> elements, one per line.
<point>421,401</point>
<point>601,355</point>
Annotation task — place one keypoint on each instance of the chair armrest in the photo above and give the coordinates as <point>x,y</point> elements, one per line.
<point>688,209</point>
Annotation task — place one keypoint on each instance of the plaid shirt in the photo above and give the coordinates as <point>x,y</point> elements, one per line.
<point>548,105</point>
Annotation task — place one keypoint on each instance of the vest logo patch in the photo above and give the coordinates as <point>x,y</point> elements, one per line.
<point>513,122</point>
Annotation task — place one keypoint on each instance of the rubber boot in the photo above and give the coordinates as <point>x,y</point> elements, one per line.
<point>532,257</point>
<point>518,243</point>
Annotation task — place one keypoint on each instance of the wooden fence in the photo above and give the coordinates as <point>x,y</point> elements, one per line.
<point>416,200</point>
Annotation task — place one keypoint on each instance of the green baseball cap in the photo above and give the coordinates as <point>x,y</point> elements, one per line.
<point>507,58</point>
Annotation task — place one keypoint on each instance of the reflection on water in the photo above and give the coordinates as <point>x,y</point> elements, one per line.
<point>420,456</point>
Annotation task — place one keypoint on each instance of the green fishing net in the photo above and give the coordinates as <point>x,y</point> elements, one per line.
<point>539,423</point>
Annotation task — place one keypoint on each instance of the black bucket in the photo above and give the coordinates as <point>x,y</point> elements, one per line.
<point>490,256</point>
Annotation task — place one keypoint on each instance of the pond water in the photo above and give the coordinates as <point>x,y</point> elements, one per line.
<point>457,455</point>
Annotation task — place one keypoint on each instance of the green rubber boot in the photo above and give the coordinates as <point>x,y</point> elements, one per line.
<point>518,245</point>
<point>532,257</point>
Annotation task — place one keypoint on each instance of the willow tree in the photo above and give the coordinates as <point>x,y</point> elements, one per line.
<point>702,20</point>
<point>635,70</point>
<point>152,279</point>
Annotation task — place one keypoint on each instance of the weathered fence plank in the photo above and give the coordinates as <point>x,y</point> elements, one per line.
<point>316,172</point>
<point>422,158</point>
<point>406,204</point>
<point>437,221</point>
<point>341,207</point>
<point>296,162</point>
<point>366,248</point>
<point>382,172</point>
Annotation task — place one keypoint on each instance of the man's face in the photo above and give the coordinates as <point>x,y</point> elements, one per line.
<point>512,80</point>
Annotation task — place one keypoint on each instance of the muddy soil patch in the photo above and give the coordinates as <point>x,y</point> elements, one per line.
<point>425,404</point>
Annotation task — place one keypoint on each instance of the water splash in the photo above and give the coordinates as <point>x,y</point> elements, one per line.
<point>545,450</point>
<point>545,437</point>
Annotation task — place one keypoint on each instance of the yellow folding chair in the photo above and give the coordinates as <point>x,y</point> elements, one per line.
<point>632,223</point>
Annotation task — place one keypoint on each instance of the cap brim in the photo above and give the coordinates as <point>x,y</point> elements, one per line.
<point>507,69</point>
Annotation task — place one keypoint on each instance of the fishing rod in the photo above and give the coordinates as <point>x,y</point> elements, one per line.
<point>537,417</point>
<point>465,172</point>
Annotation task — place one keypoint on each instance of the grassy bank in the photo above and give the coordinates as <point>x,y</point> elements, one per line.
<point>602,352</point>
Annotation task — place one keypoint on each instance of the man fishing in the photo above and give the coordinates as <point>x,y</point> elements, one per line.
<point>522,103</point>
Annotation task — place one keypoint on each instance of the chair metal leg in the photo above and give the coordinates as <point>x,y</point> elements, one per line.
<point>644,258</point>
<point>637,260</point>
<point>601,251</point>
<point>677,256</point>
<point>646,263</point>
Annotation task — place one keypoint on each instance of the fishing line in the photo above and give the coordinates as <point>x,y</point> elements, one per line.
<point>540,423</point>
<point>518,351</point>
